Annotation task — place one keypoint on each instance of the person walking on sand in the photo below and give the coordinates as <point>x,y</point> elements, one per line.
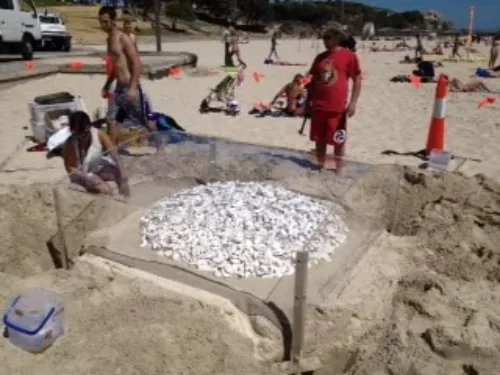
<point>494,52</point>
<point>456,48</point>
<point>235,49</point>
<point>328,94</point>
<point>419,49</point>
<point>274,44</point>
<point>129,100</point>
<point>226,38</point>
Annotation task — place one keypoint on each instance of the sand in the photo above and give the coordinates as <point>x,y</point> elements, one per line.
<point>422,299</point>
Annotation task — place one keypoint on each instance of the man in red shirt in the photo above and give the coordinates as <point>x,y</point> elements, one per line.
<point>328,92</point>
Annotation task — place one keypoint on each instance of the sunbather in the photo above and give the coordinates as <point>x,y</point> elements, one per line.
<point>494,53</point>
<point>85,161</point>
<point>473,86</point>
<point>295,96</point>
<point>456,48</point>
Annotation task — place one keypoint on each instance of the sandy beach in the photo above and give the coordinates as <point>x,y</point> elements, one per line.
<point>423,299</point>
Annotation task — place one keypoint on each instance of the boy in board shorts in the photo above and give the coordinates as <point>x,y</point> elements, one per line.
<point>328,92</point>
<point>129,99</point>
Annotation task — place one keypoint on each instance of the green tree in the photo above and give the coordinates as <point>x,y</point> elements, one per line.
<point>179,10</point>
<point>447,26</point>
<point>254,11</point>
<point>221,9</point>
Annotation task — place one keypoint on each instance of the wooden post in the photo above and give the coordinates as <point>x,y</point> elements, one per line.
<point>299,305</point>
<point>212,159</point>
<point>299,364</point>
<point>60,228</point>
<point>157,7</point>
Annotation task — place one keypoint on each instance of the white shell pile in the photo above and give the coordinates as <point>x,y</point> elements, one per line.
<point>241,229</point>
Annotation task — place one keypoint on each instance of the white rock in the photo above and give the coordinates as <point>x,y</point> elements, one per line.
<point>241,229</point>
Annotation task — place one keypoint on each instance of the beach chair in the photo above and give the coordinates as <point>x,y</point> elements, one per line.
<point>224,92</point>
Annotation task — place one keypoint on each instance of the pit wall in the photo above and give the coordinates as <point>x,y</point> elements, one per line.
<point>362,194</point>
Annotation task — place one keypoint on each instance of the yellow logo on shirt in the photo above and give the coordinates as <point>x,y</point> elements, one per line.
<point>329,75</point>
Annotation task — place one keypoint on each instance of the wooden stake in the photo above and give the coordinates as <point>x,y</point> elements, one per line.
<point>60,227</point>
<point>299,305</point>
<point>299,364</point>
<point>212,160</point>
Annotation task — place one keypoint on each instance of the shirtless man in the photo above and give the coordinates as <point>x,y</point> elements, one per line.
<point>129,100</point>
<point>295,96</point>
<point>494,52</point>
<point>127,29</point>
<point>456,47</point>
<point>419,49</point>
<point>274,44</point>
<point>235,49</point>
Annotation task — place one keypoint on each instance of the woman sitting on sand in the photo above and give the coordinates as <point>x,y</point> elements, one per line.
<point>90,158</point>
<point>295,96</point>
<point>473,86</point>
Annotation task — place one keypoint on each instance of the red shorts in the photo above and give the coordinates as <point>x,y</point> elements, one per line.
<point>329,128</point>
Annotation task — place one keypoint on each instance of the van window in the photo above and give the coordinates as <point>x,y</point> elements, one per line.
<point>49,19</point>
<point>7,4</point>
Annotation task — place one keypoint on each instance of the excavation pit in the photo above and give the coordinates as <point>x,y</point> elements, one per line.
<point>188,161</point>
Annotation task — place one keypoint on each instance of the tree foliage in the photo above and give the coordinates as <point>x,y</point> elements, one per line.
<point>313,13</point>
<point>179,10</point>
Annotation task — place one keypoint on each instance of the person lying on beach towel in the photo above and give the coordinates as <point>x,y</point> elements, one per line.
<point>91,159</point>
<point>438,50</point>
<point>407,79</point>
<point>282,63</point>
<point>295,95</point>
<point>408,60</point>
<point>402,46</point>
<point>473,86</point>
<point>264,110</point>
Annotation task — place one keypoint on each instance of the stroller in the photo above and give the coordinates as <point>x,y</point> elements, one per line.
<point>223,93</point>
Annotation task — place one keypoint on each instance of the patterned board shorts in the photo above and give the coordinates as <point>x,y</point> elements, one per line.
<point>122,110</point>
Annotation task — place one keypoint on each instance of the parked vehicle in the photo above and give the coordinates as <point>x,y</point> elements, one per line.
<point>54,32</point>
<point>19,28</point>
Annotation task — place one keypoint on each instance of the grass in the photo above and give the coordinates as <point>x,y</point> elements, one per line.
<point>83,24</point>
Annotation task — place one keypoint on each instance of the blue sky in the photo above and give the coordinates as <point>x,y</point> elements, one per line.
<point>487,11</point>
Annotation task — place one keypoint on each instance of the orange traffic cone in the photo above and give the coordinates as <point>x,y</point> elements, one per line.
<point>435,139</point>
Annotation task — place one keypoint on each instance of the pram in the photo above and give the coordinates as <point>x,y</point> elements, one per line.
<point>223,93</point>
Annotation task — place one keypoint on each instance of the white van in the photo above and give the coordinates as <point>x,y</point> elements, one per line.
<point>19,28</point>
<point>54,32</point>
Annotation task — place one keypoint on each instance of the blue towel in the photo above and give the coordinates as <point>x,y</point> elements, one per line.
<point>483,73</point>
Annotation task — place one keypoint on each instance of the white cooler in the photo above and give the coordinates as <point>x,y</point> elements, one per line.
<point>38,111</point>
<point>35,319</point>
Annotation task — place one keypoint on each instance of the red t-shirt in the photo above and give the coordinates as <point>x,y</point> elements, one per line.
<point>331,71</point>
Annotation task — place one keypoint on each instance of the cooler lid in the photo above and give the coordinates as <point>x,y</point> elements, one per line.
<point>29,312</point>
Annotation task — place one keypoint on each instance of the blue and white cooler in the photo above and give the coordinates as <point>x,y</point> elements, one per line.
<point>35,319</point>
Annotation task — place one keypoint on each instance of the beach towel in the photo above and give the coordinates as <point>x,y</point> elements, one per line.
<point>483,73</point>
<point>407,79</point>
